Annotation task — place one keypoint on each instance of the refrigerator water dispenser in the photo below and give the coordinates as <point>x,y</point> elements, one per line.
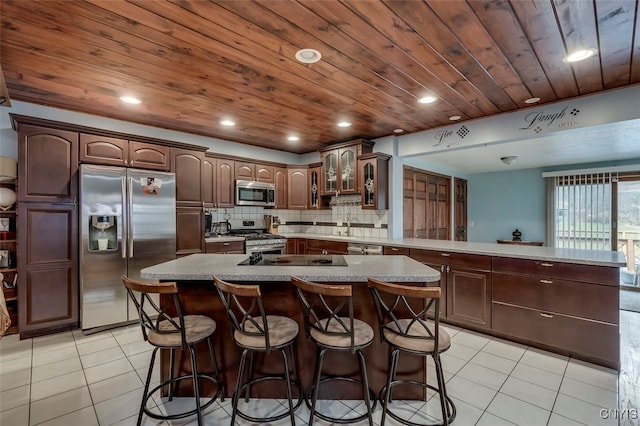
<point>103,233</point>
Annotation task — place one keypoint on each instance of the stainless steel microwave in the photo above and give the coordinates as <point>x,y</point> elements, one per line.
<point>252,193</point>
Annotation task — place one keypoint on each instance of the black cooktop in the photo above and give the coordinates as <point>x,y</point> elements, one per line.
<point>295,260</point>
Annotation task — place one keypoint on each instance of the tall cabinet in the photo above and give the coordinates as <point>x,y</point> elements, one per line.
<point>8,252</point>
<point>48,293</point>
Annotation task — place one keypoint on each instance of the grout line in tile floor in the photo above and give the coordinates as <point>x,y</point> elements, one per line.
<point>469,414</point>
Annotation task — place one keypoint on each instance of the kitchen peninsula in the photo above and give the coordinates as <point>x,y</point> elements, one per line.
<point>198,295</point>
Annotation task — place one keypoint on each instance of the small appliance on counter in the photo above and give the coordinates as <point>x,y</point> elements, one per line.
<point>272,223</point>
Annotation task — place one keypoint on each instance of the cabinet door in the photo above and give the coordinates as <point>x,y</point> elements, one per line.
<point>438,207</point>
<point>460,210</point>
<point>187,165</point>
<point>244,170</point>
<point>297,189</point>
<point>282,188</point>
<point>330,172</point>
<point>225,185</point>
<point>189,230</point>
<point>469,296</point>
<point>209,181</point>
<point>48,292</point>
<point>103,150</point>
<point>226,247</point>
<point>265,173</point>
<point>347,171</point>
<point>314,187</point>
<point>149,156</point>
<point>48,161</point>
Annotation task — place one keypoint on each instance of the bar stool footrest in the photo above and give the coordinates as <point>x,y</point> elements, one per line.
<point>277,417</point>
<point>372,399</point>
<point>451,408</point>
<point>182,415</point>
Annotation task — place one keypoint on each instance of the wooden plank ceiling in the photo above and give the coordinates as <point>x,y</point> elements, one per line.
<point>194,62</point>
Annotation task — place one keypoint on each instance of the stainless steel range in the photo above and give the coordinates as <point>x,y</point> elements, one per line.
<point>257,239</point>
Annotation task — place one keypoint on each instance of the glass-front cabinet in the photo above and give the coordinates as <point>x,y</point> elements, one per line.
<point>314,187</point>
<point>340,167</point>
<point>374,180</point>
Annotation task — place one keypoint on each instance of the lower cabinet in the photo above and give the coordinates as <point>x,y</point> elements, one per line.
<point>189,231</point>
<point>326,247</point>
<point>48,288</point>
<point>296,245</point>
<point>225,247</point>
<point>567,306</point>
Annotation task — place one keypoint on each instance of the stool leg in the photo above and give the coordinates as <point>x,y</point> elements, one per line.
<point>146,385</point>
<point>288,382</point>
<point>196,385</point>
<point>394,369</point>
<point>316,383</point>
<point>236,394</point>
<point>365,385</point>
<point>246,395</point>
<point>393,360</point>
<point>171,369</point>
<point>215,368</point>
<point>442,391</point>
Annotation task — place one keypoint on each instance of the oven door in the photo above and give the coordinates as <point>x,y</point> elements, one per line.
<point>265,249</point>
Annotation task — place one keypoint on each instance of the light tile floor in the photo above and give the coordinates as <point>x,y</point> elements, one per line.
<point>72,379</point>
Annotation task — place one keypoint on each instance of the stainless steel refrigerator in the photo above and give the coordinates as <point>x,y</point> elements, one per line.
<point>128,222</point>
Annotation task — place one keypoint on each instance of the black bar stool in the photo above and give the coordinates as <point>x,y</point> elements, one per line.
<point>254,331</point>
<point>164,330</point>
<point>402,317</point>
<point>328,327</point>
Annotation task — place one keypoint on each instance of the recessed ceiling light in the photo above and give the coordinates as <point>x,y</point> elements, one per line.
<point>398,130</point>
<point>455,118</point>
<point>344,124</point>
<point>130,100</point>
<point>293,138</point>
<point>427,100</point>
<point>580,55</point>
<point>228,123</point>
<point>531,100</point>
<point>308,56</point>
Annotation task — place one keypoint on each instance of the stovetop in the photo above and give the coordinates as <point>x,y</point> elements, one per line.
<point>294,260</point>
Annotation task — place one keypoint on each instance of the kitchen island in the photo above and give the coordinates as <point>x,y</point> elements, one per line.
<point>198,295</point>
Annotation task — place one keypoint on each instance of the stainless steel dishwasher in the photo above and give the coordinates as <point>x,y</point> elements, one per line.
<point>366,249</point>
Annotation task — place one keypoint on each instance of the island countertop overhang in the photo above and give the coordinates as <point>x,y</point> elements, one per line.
<point>225,266</point>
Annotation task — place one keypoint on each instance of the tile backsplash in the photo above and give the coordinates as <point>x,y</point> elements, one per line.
<point>343,217</point>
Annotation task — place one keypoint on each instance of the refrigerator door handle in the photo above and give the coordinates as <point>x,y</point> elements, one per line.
<point>129,218</point>
<point>125,219</point>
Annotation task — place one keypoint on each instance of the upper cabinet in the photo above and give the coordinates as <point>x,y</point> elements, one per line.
<point>340,168</point>
<point>121,152</point>
<point>373,179</point>
<point>188,167</point>
<point>297,189</point>
<point>282,187</point>
<point>252,171</point>
<point>225,187</point>
<point>48,164</point>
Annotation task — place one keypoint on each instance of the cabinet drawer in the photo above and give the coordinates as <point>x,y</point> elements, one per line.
<point>225,247</point>
<point>473,261</point>
<point>594,274</point>
<point>399,251</point>
<point>590,338</point>
<point>337,247</point>
<point>594,301</point>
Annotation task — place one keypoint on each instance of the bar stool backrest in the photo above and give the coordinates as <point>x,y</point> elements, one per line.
<point>155,319</point>
<point>245,310</point>
<point>327,309</point>
<point>402,310</point>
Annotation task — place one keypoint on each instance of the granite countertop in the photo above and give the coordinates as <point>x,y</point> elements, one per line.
<point>225,266</point>
<point>586,257</point>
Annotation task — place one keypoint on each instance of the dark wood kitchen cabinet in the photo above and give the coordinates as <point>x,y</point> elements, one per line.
<point>188,168</point>
<point>326,247</point>
<point>189,230</point>
<point>426,209</point>
<point>340,167</point>
<point>48,164</point>
<point>296,245</point>
<point>559,305</point>
<point>373,179</point>
<point>254,171</point>
<point>297,189</point>
<point>218,183</point>
<point>48,291</point>
<point>282,187</point>
<point>8,267</point>
<point>465,284</point>
<point>225,247</point>
<point>97,149</point>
